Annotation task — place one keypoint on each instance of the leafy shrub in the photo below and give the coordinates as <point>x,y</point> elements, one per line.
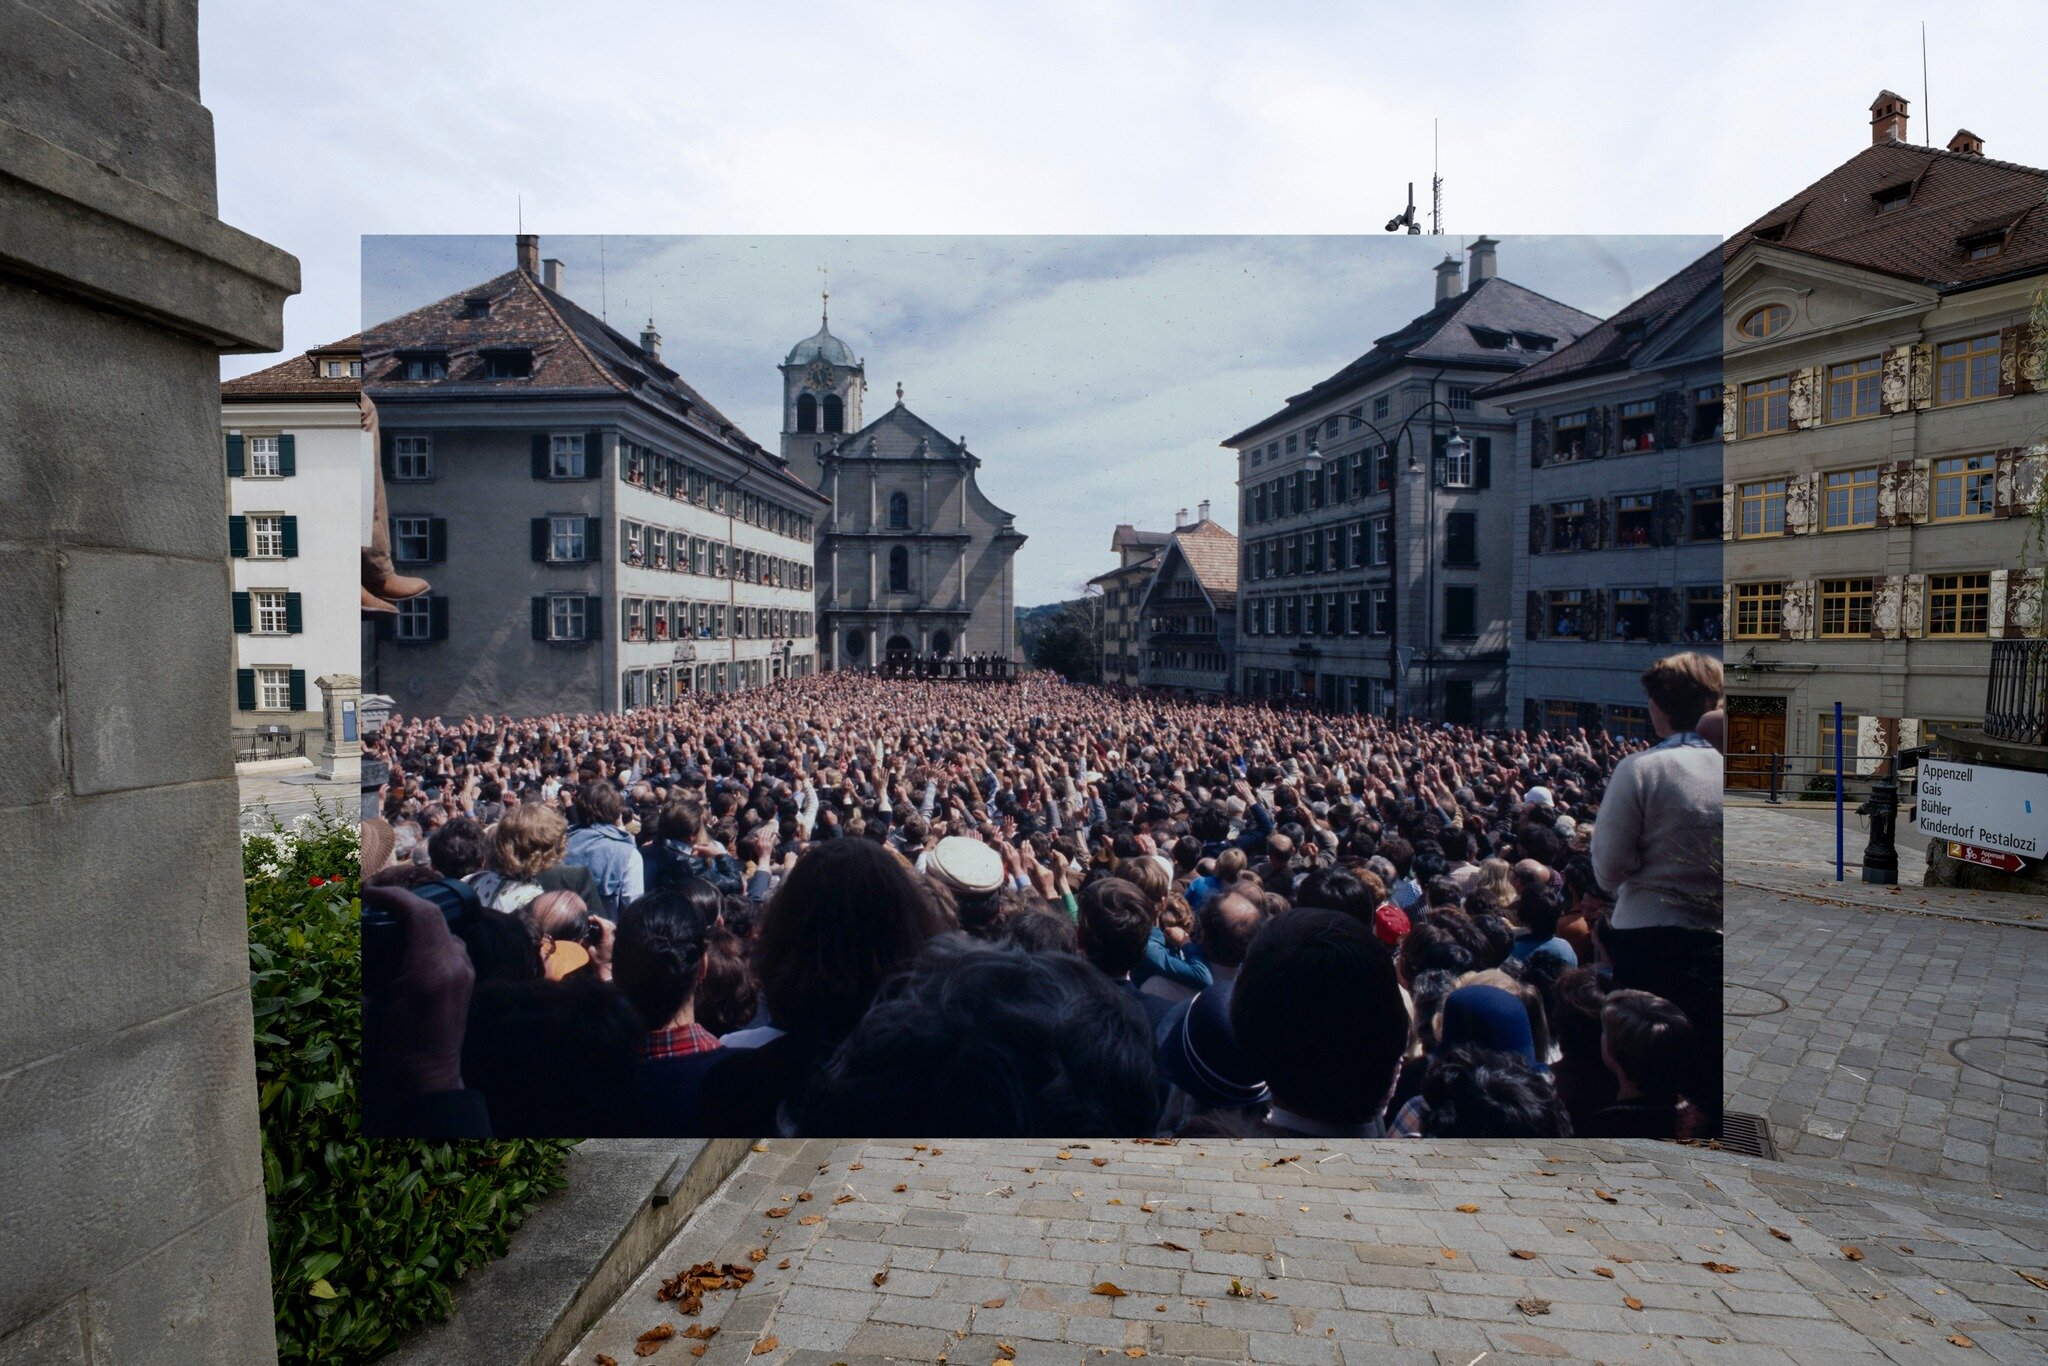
<point>366,1236</point>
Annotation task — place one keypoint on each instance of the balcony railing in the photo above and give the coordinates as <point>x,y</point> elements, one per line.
<point>2016,702</point>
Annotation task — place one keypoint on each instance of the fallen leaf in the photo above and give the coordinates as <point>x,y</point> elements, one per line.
<point>1522,1254</point>
<point>937,1152</point>
<point>766,1345</point>
<point>702,1332</point>
<point>1605,1196</point>
<point>996,1303</point>
<point>1159,1309</point>
<point>881,1278</point>
<point>1632,1302</point>
<point>1854,1254</point>
<point>1064,1157</point>
<point>1113,1201</point>
<point>1145,1209</point>
<point>758,1254</point>
<point>1449,1255</point>
<point>1907,1250</point>
<point>803,1196</point>
<point>1304,1209</point>
<point>1134,1352</point>
<point>1268,1295</point>
<point>1239,1289</point>
<point>779,1212</point>
<point>1606,1271</point>
<point>760,1147</point>
<point>700,1349</point>
<point>900,1188</point>
<point>1532,1306</point>
<point>1172,1246</point>
<point>809,1219</point>
<point>1781,1235</point>
<point>842,1199</point>
<point>782,1265</point>
<point>2039,1282</point>
<point>1098,1162</point>
<point>1468,1209</point>
<point>1962,1339</point>
<point>1721,1268</point>
<point>603,1360</point>
<point>1108,1288</point>
<point>855,1166</point>
<point>1005,1352</point>
<point>660,1332</point>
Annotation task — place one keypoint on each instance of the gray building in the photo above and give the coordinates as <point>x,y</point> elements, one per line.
<point>1187,631</point>
<point>132,1224</point>
<point>913,559</point>
<point>1885,408</point>
<point>1376,564</point>
<point>597,534</point>
<point>1617,461</point>
<point>1123,598</point>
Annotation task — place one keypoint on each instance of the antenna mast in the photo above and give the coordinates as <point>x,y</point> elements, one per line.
<point>603,298</point>
<point>1436,185</point>
<point>1926,109</point>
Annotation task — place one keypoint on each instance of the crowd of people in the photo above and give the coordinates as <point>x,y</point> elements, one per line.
<point>857,906</point>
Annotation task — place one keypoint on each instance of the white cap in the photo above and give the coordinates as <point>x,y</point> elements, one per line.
<point>1540,796</point>
<point>966,865</point>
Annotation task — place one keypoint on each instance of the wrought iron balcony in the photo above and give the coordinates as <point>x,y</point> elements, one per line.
<point>2016,702</point>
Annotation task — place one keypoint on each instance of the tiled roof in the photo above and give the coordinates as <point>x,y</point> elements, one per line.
<point>1953,194</point>
<point>574,352</point>
<point>1211,553</point>
<point>298,378</point>
<point>1128,536</point>
<point>1617,341</point>
<point>1454,332</point>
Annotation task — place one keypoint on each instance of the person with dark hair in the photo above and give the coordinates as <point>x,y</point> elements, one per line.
<point>601,844</point>
<point>1426,995</point>
<point>1473,1092</point>
<point>658,964</point>
<point>987,1040</point>
<point>728,998</point>
<point>1336,889</point>
<point>458,848</point>
<point>1487,1017</point>
<point>849,915</point>
<point>503,948</point>
<point>681,849</point>
<point>553,1058</point>
<point>1583,1080</point>
<point>1318,1011</point>
<point>1646,1043</point>
<point>1115,927</point>
<point>1538,915</point>
<point>1431,946</point>
<point>1040,929</point>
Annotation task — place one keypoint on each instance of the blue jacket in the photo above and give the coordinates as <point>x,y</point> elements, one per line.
<point>608,853</point>
<point>1186,966</point>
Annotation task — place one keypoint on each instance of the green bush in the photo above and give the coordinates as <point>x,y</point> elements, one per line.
<point>366,1236</point>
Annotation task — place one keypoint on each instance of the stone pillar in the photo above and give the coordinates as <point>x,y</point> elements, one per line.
<point>132,1219</point>
<point>341,739</point>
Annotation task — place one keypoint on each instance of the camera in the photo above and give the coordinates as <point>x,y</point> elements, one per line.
<point>384,936</point>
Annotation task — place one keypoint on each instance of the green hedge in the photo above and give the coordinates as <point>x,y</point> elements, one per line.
<point>366,1236</point>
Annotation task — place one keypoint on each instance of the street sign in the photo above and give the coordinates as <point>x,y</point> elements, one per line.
<point>1986,858</point>
<point>2000,810</point>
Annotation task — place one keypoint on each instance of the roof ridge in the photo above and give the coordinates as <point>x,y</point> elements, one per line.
<point>541,294</point>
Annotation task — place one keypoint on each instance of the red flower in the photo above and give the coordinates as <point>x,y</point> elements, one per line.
<point>315,881</point>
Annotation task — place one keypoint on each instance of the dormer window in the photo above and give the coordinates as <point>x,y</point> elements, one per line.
<point>476,306</point>
<point>512,362</point>
<point>1982,244</point>
<point>1889,197</point>
<point>1534,341</point>
<point>341,369</point>
<point>423,365</point>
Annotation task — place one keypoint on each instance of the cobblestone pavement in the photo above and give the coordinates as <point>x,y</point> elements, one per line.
<point>1445,1253</point>
<point>1893,1045</point>
<point>265,795</point>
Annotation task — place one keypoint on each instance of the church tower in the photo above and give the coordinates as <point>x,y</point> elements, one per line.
<point>822,384</point>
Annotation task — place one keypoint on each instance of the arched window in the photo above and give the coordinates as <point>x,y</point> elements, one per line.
<point>942,645</point>
<point>899,570</point>
<point>899,510</point>
<point>806,413</point>
<point>856,644</point>
<point>835,414</point>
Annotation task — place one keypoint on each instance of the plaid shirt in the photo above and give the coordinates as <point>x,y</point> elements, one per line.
<point>676,1041</point>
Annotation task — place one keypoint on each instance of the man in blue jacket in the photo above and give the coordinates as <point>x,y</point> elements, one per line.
<point>600,843</point>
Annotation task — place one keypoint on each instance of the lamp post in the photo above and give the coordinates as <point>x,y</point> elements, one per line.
<point>1456,449</point>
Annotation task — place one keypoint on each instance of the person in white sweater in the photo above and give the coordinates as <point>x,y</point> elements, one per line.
<point>1657,851</point>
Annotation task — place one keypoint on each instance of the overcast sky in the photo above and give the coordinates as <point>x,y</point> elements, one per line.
<point>1187,118</point>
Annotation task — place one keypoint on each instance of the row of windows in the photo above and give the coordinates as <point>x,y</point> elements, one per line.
<point>660,685</point>
<point>1198,661</point>
<point>1356,545</point>
<point>1636,426</point>
<point>676,619</point>
<point>1627,614</point>
<point>1957,606</point>
<point>1561,717</point>
<point>1181,624</point>
<point>1340,692</point>
<point>681,553</point>
<point>1360,612</point>
<point>1963,488</point>
<point>1625,520</point>
<point>1964,370</point>
<point>1348,478</point>
<point>1382,406</point>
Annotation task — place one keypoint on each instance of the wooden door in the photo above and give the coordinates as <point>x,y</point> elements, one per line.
<point>1753,741</point>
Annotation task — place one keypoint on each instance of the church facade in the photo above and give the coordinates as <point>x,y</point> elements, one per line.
<point>913,559</point>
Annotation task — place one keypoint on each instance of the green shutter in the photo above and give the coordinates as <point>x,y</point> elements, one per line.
<point>298,697</point>
<point>540,617</point>
<point>291,537</point>
<point>245,689</point>
<point>242,614</point>
<point>387,456</point>
<point>294,615</point>
<point>437,619</point>
<point>235,466</point>
<point>593,617</point>
<point>437,539</point>
<point>238,537</point>
<point>540,455</point>
<point>593,455</point>
<point>593,533</point>
<point>540,543</point>
<point>287,455</point>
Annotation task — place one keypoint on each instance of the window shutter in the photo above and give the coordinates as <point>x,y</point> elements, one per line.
<point>1800,499</point>
<point>1539,528</point>
<point>238,537</point>
<point>242,614</point>
<point>1595,624</point>
<point>2023,602</point>
<point>1670,419</point>
<point>1603,524</point>
<point>290,537</point>
<point>1923,375</point>
<point>437,540</point>
<point>1532,626</point>
<point>1998,622</point>
<point>540,542</point>
<point>287,455</point>
<point>385,626</point>
<point>1727,512</point>
<point>1530,720</point>
<point>1801,409</point>
<point>1884,606</point>
<point>1912,604</point>
<point>1539,443</point>
<point>298,687</point>
<point>1599,428</point>
<point>387,456</point>
<point>294,615</point>
<point>2010,341</point>
<point>245,689</point>
<point>1731,412</point>
<point>540,617</point>
<point>437,617</point>
<point>540,455</point>
<point>593,540</point>
<point>1482,462</point>
<point>1666,624</point>
<point>1796,612</point>
<point>593,617</point>
<point>593,455</point>
<point>235,466</point>
<point>1895,380</point>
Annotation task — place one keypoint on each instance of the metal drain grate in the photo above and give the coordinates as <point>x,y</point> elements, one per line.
<point>1749,1135</point>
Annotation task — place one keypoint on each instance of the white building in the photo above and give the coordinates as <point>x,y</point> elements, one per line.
<point>296,455</point>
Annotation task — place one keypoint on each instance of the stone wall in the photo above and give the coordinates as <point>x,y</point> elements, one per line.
<point>131,1218</point>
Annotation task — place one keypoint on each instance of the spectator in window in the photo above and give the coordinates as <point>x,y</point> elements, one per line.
<point>1657,849</point>
<point>601,844</point>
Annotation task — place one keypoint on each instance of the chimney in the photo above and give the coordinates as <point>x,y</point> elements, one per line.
<point>1202,511</point>
<point>650,340</point>
<point>528,244</point>
<point>1966,143</point>
<point>1180,518</point>
<point>1480,254</point>
<point>1887,118</point>
<point>551,273</point>
<point>1447,286</point>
